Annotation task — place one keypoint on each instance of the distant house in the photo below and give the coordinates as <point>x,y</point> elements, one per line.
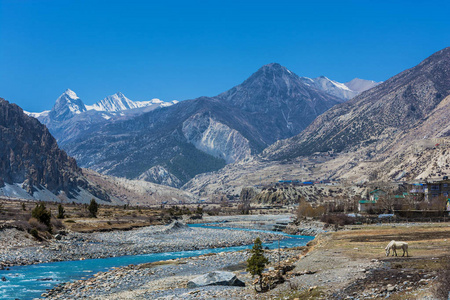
<point>436,189</point>
<point>376,194</point>
<point>366,205</point>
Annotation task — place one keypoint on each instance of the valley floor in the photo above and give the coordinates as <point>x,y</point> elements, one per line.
<point>348,264</point>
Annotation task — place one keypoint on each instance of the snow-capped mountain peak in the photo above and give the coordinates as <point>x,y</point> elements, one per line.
<point>71,94</point>
<point>69,104</point>
<point>113,103</point>
<point>66,106</point>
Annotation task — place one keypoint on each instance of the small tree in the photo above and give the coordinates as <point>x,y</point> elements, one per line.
<point>93,208</point>
<point>24,208</point>
<point>257,262</point>
<point>42,214</point>
<point>60,211</point>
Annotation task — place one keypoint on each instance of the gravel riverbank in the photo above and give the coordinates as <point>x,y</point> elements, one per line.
<point>167,280</point>
<point>18,248</point>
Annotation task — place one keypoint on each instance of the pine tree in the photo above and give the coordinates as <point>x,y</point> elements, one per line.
<point>257,262</point>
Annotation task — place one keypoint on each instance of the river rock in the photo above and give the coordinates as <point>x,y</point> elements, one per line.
<point>175,226</point>
<point>215,278</point>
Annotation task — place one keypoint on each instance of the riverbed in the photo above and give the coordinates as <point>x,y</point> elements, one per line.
<point>27,282</point>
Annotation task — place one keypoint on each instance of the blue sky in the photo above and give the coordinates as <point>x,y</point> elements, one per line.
<point>186,49</point>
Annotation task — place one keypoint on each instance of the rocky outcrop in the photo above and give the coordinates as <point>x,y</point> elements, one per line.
<point>215,278</point>
<point>160,175</point>
<point>30,154</point>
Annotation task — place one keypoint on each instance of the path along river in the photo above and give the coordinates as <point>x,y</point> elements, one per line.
<point>28,282</point>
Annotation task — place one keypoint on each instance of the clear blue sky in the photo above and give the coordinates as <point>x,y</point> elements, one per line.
<point>185,49</point>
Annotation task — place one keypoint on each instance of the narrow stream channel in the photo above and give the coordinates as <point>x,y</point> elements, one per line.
<point>28,282</point>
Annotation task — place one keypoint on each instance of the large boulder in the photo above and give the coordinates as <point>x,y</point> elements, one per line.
<point>176,226</point>
<point>215,278</point>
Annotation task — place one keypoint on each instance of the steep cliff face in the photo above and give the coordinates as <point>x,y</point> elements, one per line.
<point>215,138</point>
<point>29,153</point>
<point>30,156</point>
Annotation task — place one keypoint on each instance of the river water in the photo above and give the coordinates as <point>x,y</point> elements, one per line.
<point>28,282</point>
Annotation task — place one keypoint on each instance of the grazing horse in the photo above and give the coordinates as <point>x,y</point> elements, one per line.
<point>396,245</point>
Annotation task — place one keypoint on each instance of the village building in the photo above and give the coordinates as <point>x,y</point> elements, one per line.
<point>437,188</point>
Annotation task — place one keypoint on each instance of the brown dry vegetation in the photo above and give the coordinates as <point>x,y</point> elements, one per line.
<point>429,250</point>
<point>77,217</point>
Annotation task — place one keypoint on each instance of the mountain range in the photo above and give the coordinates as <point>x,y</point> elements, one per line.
<point>169,144</point>
<point>397,130</point>
<point>172,144</point>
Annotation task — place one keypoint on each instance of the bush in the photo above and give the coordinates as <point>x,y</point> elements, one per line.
<point>34,223</point>
<point>93,208</point>
<point>41,214</point>
<point>57,223</point>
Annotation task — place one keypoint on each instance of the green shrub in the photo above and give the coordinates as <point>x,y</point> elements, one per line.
<point>42,214</point>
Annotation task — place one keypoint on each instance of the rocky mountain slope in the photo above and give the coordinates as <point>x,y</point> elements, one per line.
<point>202,135</point>
<point>398,130</point>
<point>377,115</point>
<point>33,167</point>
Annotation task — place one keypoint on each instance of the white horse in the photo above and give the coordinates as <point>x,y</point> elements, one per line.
<point>396,245</point>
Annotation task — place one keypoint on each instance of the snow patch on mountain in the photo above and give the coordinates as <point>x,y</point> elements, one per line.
<point>361,85</point>
<point>344,91</point>
<point>38,114</point>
